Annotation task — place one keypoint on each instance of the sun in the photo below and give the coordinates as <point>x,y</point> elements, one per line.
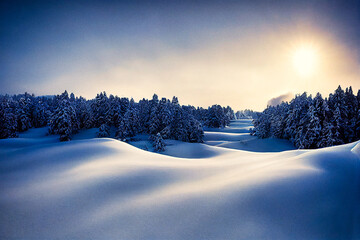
<point>305,60</point>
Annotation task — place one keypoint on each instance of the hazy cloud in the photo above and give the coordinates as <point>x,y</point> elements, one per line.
<point>282,98</point>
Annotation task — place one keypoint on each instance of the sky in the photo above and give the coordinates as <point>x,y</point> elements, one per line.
<point>237,53</point>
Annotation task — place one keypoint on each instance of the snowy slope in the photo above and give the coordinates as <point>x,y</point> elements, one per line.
<point>237,136</point>
<point>107,189</point>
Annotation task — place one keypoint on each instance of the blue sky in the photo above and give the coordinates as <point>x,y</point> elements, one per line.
<point>235,53</point>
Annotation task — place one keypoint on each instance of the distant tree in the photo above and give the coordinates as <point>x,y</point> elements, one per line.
<point>313,129</point>
<point>8,121</point>
<point>338,127</point>
<point>84,113</point>
<point>178,125</point>
<point>131,121</point>
<point>104,131</point>
<point>100,108</point>
<point>216,117</point>
<point>40,113</point>
<point>158,143</point>
<point>312,123</point>
<point>327,138</point>
<point>351,108</point>
<point>262,125</point>
<point>23,115</point>
<point>63,119</point>
<point>65,114</point>
<point>123,132</point>
<point>195,131</point>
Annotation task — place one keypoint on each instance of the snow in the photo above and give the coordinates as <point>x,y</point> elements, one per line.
<point>108,189</point>
<point>237,137</point>
<point>237,126</point>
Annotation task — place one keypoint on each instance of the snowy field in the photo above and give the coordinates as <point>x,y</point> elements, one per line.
<point>237,136</point>
<point>106,189</point>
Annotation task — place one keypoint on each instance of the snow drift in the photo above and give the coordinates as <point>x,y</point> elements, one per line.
<point>107,189</point>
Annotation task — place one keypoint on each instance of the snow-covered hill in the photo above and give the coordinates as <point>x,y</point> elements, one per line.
<point>237,136</point>
<point>107,189</point>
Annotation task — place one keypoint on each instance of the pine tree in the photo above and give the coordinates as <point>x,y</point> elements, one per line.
<point>313,128</point>
<point>338,127</point>
<point>262,125</point>
<point>216,117</point>
<point>144,115</point>
<point>122,133</point>
<point>131,120</point>
<point>351,108</point>
<point>164,113</point>
<point>40,114</point>
<point>312,123</point>
<point>63,120</point>
<point>84,113</point>
<point>8,121</point>
<point>104,131</point>
<point>158,143</point>
<point>166,132</point>
<point>23,115</point>
<point>327,138</point>
<point>177,126</point>
<point>100,108</point>
<point>195,130</point>
<point>154,125</point>
<point>154,121</point>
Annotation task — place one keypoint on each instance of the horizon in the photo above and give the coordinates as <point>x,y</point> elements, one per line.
<point>228,53</point>
<point>271,102</point>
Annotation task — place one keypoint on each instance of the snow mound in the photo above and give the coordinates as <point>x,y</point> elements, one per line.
<point>356,149</point>
<point>107,189</point>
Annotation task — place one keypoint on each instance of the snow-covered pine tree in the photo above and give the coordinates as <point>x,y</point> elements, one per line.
<point>313,129</point>
<point>262,125</point>
<point>164,115</point>
<point>40,113</point>
<point>351,108</point>
<point>154,120</point>
<point>337,100</point>
<point>63,119</point>
<point>196,132</point>
<point>8,121</point>
<point>131,120</point>
<point>23,115</point>
<point>154,124</point>
<point>166,132</point>
<point>327,136</point>
<point>216,117</point>
<point>100,107</point>
<point>338,127</point>
<point>277,123</point>
<point>124,106</point>
<point>229,115</point>
<point>144,115</point>
<point>84,113</point>
<point>104,131</point>
<point>122,133</point>
<point>178,125</point>
<point>113,112</point>
<point>158,143</point>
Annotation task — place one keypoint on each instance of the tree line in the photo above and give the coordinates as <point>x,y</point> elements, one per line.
<point>246,114</point>
<point>313,122</point>
<point>66,114</point>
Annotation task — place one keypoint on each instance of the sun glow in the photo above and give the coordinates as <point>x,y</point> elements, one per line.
<point>305,60</point>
